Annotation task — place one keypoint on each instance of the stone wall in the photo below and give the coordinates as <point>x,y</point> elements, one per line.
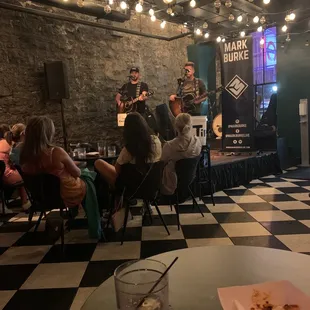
<point>98,61</point>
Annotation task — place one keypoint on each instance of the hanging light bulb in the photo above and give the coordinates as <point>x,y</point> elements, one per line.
<point>167,1</point>
<point>223,40</point>
<point>207,35</point>
<point>242,34</point>
<point>256,19</point>
<point>262,42</point>
<point>231,17</point>
<point>284,28</point>
<point>217,4</point>
<point>307,43</point>
<point>218,39</point>
<point>111,2</point>
<point>185,25</point>
<point>198,32</point>
<point>151,12</point>
<point>263,20</point>
<point>123,5</point>
<point>205,25</point>
<point>288,38</point>
<point>192,3</point>
<point>65,0</point>
<point>239,18</point>
<point>80,3</point>
<point>153,18</point>
<point>287,18</point>
<point>228,3</point>
<point>292,16</point>
<point>260,29</point>
<point>169,11</point>
<point>163,24</point>
<point>107,9</point>
<point>139,7</point>
<point>266,1</point>
<point>172,14</point>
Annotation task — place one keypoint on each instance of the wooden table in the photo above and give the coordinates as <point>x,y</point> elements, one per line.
<point>194,279</point>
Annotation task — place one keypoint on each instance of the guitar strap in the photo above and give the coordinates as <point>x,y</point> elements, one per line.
<point>138,89</point>
<point>197,87</point>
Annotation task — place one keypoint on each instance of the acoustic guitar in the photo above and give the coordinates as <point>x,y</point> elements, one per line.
<point>188,103</point>
<point>130,105</point>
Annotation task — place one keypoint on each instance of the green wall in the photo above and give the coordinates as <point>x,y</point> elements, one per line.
<point>293,85</point>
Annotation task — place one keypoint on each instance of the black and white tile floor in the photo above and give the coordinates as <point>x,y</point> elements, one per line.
<point>35,274</point>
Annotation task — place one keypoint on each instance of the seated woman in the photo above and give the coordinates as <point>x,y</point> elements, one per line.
<point>185,145</point>
<point>140,148</point>
<point>11,175</point>
<point>17,138</point>
<point>39,155</point>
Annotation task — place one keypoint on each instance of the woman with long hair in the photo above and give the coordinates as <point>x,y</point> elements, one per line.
<point>11,175</point>
<point>39,155</point>
<point>140,148</point>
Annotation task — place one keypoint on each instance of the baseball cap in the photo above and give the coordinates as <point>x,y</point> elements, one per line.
<point>134,69</point>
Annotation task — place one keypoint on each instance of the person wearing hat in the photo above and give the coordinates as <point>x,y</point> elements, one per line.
<point>134,89</point>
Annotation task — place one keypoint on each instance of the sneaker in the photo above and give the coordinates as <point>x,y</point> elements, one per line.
<point>26,205</point>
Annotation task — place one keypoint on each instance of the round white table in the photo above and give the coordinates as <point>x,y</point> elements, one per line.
<point>195,277</point>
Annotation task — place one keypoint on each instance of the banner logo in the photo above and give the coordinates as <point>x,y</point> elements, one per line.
<point>236,87</point>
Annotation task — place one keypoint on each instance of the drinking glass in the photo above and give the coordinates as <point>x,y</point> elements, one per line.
<point>81,152</point>
<point>133,281</point>
<point>101,148</point>
<point>111,150</point>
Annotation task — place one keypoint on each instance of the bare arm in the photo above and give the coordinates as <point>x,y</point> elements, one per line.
<point>118,98</point>
<point>65,159</point>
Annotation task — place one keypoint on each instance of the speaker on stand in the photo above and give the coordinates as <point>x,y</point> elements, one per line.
<point>57,89</point>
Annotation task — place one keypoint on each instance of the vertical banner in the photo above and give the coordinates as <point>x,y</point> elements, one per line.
<point>238,106</point>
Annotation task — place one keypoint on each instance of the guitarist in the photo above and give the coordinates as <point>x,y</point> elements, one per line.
<point>190,84</point>
<point>134,89</point>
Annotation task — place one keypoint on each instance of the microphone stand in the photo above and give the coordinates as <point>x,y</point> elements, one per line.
<point>180,91</point>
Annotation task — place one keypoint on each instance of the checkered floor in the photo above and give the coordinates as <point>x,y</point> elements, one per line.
<point>34,273</point>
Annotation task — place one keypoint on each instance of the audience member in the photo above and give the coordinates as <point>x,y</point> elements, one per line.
<point>140,148</point>
<point>185,145</point>
<point>39,155</point>
<point>11,175</point>
<point>17,137</point>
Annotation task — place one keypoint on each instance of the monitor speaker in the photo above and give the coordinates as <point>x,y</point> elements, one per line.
<point>56,80</point>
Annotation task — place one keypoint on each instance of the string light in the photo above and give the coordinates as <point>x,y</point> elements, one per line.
<point>107,9</point>
<point>231,17</point>
<point>169,11</point>
<point>207,35</point>
<point>198,32</point>
<point>218,39</point>
<point>111,2</point>
<point>256,19</point>
<point>242,34</point>
<point>275,88</point>
<point>185,25</point>
<point>80,3</point>
<point>65,0</point>
<point>263,20</point>
<point>123,5</point>
<point>151,12</point>
<point>153,18</point>
<point>284,28</point>
<point>163,24</point>
<point>172,14</point>
<point>262,42</point>
<point>139,7</point>
<point>192,3</point>
<point>239,18</point>
<point>307,43</point>
<point>228,3</point>
<point>205,25</point>
<point>217,4</point>
<point>223,40</point>
<point>167,1</point>
<point>292,16</point>
<point>288,38</point>
<point>266,1</point>
<point>260,29</point>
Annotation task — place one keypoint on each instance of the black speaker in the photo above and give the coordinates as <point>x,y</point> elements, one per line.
<point>56,80</point>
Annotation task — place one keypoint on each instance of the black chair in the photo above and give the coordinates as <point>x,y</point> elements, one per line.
<point>186,175</point>
<point>45,196</point>
<point>133,184</point>
<point>204,177</point>
<point>6,190</point>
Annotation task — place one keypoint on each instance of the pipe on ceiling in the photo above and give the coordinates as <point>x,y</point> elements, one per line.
<point>87,23</point>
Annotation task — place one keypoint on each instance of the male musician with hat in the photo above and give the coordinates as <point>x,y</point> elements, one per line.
<point>134,89</point>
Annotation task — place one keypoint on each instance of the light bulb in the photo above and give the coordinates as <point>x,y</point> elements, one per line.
<point>231,17</point>
<point>223,40</point>
<point>169,11</point>
<point>217,3</point>
<point>262,41</point>
<point>111,2</point>
<point>287,18</point>
<point>163,24</point>
<point>292,16</point>
<point>218,39</point>
<point>151,12</point>
<point>242,34</point>
<point>266,1</point>
<point>275,88</point>
<point>192,3</point>
<point>205,25</point>
<point>167,1</point>
<point>139,7</point>
<point>80,3</point>
<point>256,19</point>
<point>123,5</point>
<point>107,9</point>
<point>284,28</point>
<point>263,20</point>
<point>260,29</point>
<point>288,38</point>
<point>153,18</point>
<point>185,24</point>
<point>307,43</point>
<point>65,0</point>
<point>228,3</point>
<point>239,18</point>
<point>172,14</point>
<point>198,32</point>
<point>207,35</point>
